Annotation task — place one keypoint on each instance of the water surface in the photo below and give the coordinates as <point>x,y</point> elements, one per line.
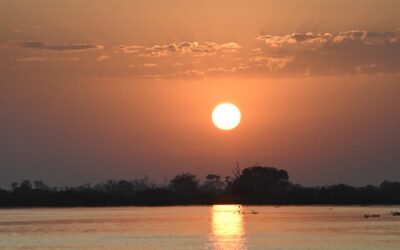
<point>200,227</point>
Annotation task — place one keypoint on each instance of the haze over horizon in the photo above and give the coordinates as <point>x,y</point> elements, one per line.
<point>97,90</point>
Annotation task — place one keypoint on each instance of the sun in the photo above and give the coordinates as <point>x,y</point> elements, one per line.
<point>226,116</point>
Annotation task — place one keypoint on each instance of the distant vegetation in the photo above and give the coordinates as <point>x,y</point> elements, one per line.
<point>253,185</point>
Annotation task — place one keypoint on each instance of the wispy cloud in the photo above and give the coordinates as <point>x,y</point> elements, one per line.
<point>187,48</point>
<point>45,59</point>
<point>311,40</point>
<point>130,48</point>
<point>58,47</point>
<point>103,58</point>
<point>276,41</point>
<point>32,59</point>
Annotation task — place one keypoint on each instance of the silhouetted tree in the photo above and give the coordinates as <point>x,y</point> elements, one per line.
<point>143,184</point>
<point>390,191</point>
<point>124,186</point>
<point>14,186</point>
<point>184,183</point>
<point>259,180</point>
<point>390,187</point>
<point>24,186</point>
<point>40,185</point>
<point>109,186</point>
<point>213,184</point>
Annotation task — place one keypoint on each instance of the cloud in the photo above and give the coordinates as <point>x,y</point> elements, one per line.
<point>32,59</point>
<point>347,52</point>
<point>103,58</point>
<point>45,59</point>
<point>305,54</point>
<point>272,63</point>
<point>274,41</point>
<point>188,74</point>
<point>367,69</point>
<point>366,37</point>
<point>309,38</point>
<point>291,55</point>
<point>187,48</point>
<point>239,70</point>
<point>129,48</point>
<point>58,47</point>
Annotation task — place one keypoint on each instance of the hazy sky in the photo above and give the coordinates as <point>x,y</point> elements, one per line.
<point>94,90</point>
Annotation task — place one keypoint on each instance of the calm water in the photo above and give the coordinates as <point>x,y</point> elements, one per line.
<point>199,227</point>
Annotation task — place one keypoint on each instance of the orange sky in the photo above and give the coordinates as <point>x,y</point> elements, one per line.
<point>92,90</point>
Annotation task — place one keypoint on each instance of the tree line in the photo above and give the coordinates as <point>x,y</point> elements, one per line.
<point>252,185</point>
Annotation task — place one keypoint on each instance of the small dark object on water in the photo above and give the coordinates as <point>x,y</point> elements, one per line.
<point>366,216</point>
<point>395,213</point>
<point>241,211</point>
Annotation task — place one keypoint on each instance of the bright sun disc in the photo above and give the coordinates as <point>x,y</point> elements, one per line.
<point>226,116</point>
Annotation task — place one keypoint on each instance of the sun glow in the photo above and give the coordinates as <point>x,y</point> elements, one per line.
<point>226,116</point>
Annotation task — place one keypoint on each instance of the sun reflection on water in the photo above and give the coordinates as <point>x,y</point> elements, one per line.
<point>227,228</point>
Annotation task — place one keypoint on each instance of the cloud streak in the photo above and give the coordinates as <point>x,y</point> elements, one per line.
<point>103,58</point>
<point>309,38</point>
<point>45,59</point>
<point>58,47</point>
<point>186,48</point>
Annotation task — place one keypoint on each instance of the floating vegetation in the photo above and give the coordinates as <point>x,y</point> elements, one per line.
<point>395,213</point>
<point>366,216</point>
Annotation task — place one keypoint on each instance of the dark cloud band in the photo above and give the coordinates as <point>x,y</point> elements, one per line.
<point>58,47</point>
